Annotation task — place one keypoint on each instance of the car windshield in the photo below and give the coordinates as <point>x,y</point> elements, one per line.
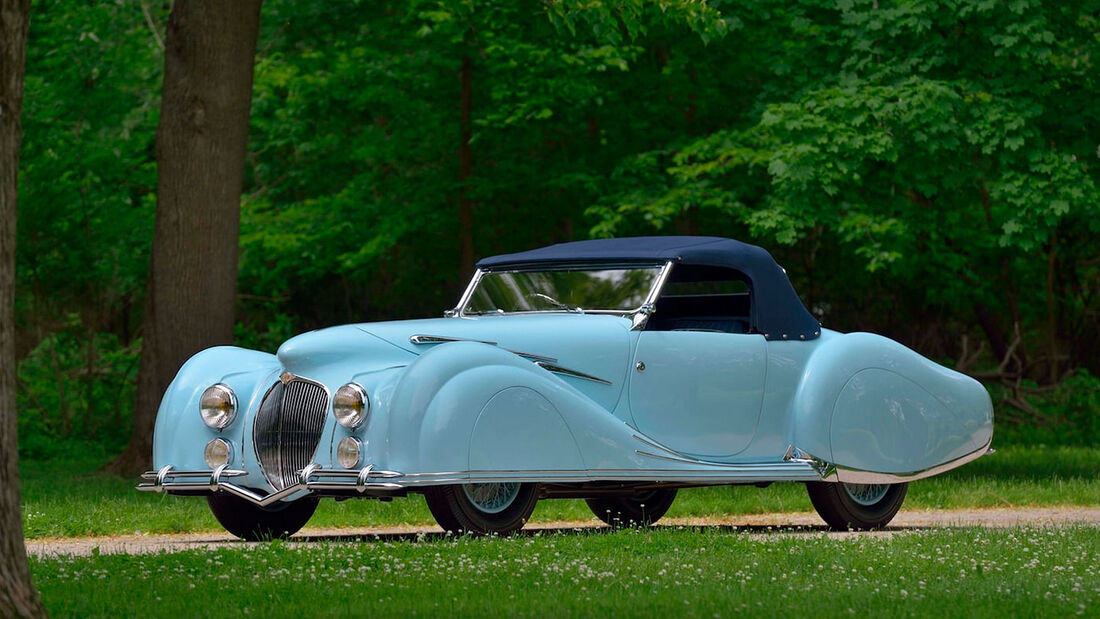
<point>563,290</point>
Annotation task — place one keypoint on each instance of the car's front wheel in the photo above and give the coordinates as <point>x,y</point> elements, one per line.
<point>481,509</point>
<point>251,522</point>
<point>846,506</point>
<point>637,510</point>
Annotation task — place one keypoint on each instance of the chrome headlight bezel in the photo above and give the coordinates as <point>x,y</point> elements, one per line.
<point>217,452</point>
<point>349,452</point>
<point>218,406</point>
<point>351,405</point>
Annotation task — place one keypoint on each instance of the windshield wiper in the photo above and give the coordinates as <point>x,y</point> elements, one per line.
<point>556,303</point>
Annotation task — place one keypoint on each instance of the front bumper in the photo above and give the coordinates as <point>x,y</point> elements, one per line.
<point>312,479</point>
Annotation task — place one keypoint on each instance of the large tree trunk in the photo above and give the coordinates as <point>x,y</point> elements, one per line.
<point>201,142</point>
<point>18,597</point>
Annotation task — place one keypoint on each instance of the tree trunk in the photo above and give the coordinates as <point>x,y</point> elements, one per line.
<point>18,597</point>
<point>201,143</point>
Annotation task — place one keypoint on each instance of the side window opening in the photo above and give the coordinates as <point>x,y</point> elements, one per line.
<point>704,298</point>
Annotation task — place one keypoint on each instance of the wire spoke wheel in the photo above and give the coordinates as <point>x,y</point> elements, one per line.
<point>491,498</point>
<point>866,494</point>
<point>481,509</point>
<point>856,506</point>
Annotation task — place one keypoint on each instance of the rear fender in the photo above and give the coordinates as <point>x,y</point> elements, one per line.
<point>867,403</point>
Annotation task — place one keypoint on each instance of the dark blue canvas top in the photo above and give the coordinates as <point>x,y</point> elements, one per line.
<point>779,314</point>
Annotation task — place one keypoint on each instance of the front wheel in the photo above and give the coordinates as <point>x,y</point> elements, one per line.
<point>481,509</point>
<point>253,523</point>
<point>846,506</point>
<point>637,510</point>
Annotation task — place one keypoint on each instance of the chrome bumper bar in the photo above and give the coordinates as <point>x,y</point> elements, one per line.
<point>313,478</point>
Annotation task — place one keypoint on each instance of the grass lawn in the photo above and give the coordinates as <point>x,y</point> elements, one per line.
<point>662,572</point>
<point>68,498</point>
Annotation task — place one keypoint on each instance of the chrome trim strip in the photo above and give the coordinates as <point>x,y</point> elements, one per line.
<point>557,369</point>
<point>832,472</point>
<point>686,460</point>
<point>743,473</point>
<point>317,479</point>
<point>160,475</point>
<point>361,482</point>
<point>439,339</point>
<point>653,443</point>
<point>421,338</point>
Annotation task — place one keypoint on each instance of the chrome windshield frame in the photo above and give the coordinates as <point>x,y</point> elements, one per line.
<point>646,308</point>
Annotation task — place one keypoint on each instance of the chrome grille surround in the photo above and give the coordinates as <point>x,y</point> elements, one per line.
<point>288,428</point>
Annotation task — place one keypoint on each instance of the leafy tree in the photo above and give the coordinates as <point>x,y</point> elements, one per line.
<point>201,143</point>
<point>18,597</point>
<point>940,145</point>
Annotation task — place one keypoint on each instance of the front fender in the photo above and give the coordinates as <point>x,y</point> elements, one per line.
<point>467,406</point>
<point>867,403</point>
<point>180,435</point>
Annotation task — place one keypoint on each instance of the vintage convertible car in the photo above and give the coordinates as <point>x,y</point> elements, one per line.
<point>615,370</point>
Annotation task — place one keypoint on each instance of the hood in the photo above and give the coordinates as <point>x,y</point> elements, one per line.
<point>596,345</point>
<point>304,353</point>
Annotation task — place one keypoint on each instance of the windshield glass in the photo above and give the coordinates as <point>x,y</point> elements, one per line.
<point>562,290</point>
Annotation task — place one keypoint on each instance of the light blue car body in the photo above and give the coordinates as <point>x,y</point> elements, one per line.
<point>570,398</point>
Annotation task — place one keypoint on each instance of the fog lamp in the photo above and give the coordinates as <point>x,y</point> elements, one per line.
<point>217,452</point>
<point>350,405</point>
<point>218,406</point>
<point>348,451</point>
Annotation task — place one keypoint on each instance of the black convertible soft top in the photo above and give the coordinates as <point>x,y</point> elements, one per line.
<point>780,314</point>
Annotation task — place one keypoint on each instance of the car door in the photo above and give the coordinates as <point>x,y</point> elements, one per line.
<point>698,392</point>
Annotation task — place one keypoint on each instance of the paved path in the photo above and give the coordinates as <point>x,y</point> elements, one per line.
<point>807,523</point>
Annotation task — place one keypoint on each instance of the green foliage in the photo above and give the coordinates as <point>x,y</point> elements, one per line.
<point>70,387</point>
<point>924,169</point>
<point>1063,414</point>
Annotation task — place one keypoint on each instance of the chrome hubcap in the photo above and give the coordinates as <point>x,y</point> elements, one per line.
<point>491,498</point>
<point>866,494</point>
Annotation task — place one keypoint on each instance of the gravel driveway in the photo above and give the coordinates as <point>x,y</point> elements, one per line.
<point>807,523</point>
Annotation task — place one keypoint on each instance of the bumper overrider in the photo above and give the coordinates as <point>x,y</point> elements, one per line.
<point>313,479</point>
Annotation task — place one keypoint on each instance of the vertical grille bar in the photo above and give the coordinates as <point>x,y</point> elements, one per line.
<point>288,428</point>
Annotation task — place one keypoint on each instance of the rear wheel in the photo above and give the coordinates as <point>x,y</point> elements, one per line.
<point>637,510</point>
<point>480,509</point>
<point>251,522</point>
<point>846,506</point>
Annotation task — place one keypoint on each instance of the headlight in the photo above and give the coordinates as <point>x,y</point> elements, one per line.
<point>218,452</point>
<point>347,452</point>
<point>350,405</point>
<point>218,406</point>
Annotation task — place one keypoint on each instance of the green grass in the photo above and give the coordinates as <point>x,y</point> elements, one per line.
<point>661,572</point>
<point>63,498</point>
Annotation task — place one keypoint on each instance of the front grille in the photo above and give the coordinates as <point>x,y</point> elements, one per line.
<point>288,428</point>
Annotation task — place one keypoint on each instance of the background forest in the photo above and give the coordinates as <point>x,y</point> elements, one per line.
<point>924,169</point>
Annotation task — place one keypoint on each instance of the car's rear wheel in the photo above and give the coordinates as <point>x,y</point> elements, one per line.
<point>251,522</point>
<point>846,506</point>
<point>481,509</point>
<point>637,510</point>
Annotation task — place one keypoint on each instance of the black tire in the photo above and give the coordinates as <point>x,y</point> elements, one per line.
<point>254,523</point>
<point>482,509</point>
<point>856,506</point>
<point>638,510</point>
